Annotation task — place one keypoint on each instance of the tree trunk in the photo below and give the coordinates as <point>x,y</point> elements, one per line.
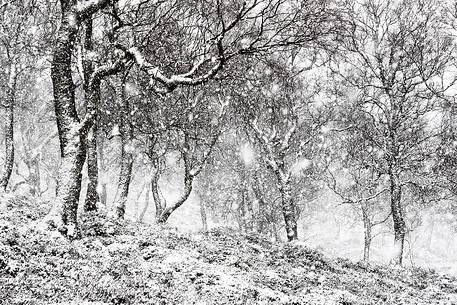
<point>251,219</point>
<point>126,134</point>
<point>63,215</point>
<point>92,197</point>
<point>398,218</point>
<point>203,215</point>
<point>34,176</point>
<point>367,225</point>
<point>9,131</point>
<point>145,206</point>
<point>288,207</point>
<point>242,210</point>
<point>261,222</point>
<point>188,180</point>
<point>101,156</point>
<point>155,192</point>
<point>124,179</point>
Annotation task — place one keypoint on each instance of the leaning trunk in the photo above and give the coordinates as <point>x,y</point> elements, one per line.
<point>188,180</point>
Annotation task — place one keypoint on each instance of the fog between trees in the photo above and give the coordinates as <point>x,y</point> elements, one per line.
<point>286,118</point>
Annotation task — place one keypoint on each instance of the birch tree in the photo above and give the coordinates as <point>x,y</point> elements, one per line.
<point>213,31</point>
<point>72,129</point>
<point>396,62</point>
<point>18,48</point>
<point>285,120</point>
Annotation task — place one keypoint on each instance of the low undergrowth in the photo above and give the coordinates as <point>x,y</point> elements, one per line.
<point>130,263</point>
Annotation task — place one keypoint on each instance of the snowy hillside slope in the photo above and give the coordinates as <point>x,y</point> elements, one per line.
<point>130,263</point>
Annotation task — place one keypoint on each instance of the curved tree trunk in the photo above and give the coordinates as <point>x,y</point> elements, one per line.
<point>159,206</point>
<point>188,180</point>
<point>189,175</point>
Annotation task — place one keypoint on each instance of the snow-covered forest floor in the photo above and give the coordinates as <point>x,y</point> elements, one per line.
<point>133,263</point>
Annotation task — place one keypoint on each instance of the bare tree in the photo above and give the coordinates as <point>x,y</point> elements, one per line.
<point>396,61</point>
<point>17,49</point>
<point>286,129</point>
<point>228,30</point>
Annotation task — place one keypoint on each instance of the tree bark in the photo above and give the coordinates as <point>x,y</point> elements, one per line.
<point>145,206</point>
<point>188,180</point>
<point>288,210</point>
<point>72,135</point>
<point>189,175</point>
<point>398,218</point>
<point>159,206</point>
<point>242,209</point>
<point>203,215</point>
<point>34,176</point>
<point>92,197</point>
<point>9,131</point>
<point>63,215</point>
<point>124,180</point>
<point>287,202</point>
<point>144,186</point>
<point>101,156</point>
<point>126,133</point>
<point>261,222</point>
<point>367,225</point>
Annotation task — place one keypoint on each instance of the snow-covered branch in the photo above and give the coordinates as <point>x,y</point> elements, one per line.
<point>171,82</point>
<point>88,7</point>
